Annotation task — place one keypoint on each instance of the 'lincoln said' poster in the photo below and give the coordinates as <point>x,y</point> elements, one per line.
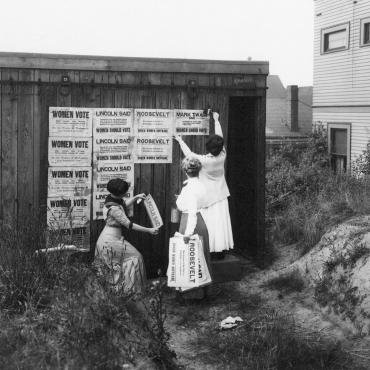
<point>104,172</point>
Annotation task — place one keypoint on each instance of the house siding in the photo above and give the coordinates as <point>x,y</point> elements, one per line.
<point>341,83</point>
<point>343,77</point>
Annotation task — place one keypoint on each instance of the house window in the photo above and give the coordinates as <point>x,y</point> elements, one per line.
<point>365,32</point>
<point>339,146</point>
<point>335,38</point>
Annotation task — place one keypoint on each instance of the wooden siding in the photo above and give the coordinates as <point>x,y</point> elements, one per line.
<point>341,78</point>
<point>360,125</point>
<point>26,95</point>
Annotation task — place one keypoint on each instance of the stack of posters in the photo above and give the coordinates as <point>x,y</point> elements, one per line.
<point>112,153</point>
<point>70,175</point>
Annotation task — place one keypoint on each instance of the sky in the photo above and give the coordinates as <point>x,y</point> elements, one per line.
<point>277,31</point>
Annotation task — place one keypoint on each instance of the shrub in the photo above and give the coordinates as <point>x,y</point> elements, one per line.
<point>304,197</point>
<point>26,277</point>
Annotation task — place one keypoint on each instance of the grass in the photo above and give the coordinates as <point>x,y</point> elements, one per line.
<point>59,314</point>
<point>287,283</point>
<point>269,339</point>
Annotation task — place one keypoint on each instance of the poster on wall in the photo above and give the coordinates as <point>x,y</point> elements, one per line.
<point>153,121</point>
<point>68,211</point>
<point>113,121</point>
<point>67,121</point>
<point>153,149</point>
<point>67,181</point>
<point>69,151</point>
<point>102,174</point>
<point>191,122</point>
<point>70,236</point>
<point>110,149</point>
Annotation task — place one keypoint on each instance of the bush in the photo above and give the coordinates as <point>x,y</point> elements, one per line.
<point>304,197</point>
<point>26,277</point>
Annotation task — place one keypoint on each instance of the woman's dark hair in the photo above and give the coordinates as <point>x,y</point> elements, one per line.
<point>214,144</point>
<point>117,187</point>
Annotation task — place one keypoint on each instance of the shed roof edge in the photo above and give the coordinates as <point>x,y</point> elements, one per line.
<point>130,64</point>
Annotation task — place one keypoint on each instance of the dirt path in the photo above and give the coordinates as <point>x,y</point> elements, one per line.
<point>186,321</point>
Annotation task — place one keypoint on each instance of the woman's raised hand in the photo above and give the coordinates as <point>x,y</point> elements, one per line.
<point>178,138</point>
<point>140,196</point>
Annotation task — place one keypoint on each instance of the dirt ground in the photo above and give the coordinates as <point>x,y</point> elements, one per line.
<point>186,320</point>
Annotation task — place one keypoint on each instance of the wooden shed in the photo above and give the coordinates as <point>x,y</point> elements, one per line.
<point>31,83</point>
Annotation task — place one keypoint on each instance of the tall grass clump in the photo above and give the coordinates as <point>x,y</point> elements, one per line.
<point>59,313</point>
<point>27,277</point>
<point>305,196</point>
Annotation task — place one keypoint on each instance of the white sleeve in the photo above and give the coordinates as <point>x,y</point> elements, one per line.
<point>218,129</point>
<point>188,153</point>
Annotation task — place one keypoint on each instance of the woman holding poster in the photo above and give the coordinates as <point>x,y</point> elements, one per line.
<point>216,207</point>
<point>190,201</point>
<point>123,263</point>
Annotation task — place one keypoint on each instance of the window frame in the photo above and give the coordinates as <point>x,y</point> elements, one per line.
<point>332,29</point>
<point>364,21</point>
<point>341,125</point>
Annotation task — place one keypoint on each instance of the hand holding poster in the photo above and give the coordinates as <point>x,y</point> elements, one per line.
<point>191,122</point>
<point>153,212</point>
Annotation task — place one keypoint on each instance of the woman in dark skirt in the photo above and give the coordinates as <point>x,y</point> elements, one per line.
<point>190,201</point>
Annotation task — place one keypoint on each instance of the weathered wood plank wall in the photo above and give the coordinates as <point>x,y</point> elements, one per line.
<point>27,94</point>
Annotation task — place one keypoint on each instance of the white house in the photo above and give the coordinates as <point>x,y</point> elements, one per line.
<point>341,83</point>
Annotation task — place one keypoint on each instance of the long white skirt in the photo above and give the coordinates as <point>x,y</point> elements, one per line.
<point>217,219</point>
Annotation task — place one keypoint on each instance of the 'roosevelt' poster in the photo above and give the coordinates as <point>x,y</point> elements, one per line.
<point>153,149</point>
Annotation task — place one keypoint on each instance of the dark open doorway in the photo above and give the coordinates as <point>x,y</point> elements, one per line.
<point>242,172</point>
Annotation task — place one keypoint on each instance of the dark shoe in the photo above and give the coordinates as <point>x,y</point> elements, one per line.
<point>217,256</point>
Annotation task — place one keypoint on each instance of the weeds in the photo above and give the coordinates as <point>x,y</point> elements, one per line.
<point>270,340</point>
<point>26,277</point>
<point>287,283</point>
<point>335,289</point>
<point>59,314</point>
<point>304,197</point>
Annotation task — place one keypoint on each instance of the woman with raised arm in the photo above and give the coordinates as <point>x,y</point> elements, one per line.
<point>216,207</point>
<point>122,263</point>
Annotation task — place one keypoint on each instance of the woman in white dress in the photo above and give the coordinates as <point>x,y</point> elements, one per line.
<point>122,262</point>
<point>190,202</point>
<point>216,207</point>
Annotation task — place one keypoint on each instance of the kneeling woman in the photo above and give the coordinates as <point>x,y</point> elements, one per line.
<point>190,201</point>
<point>122,262</point>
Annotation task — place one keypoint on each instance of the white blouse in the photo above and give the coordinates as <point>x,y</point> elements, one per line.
<point>191,200</point>
<point>212,174</point>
